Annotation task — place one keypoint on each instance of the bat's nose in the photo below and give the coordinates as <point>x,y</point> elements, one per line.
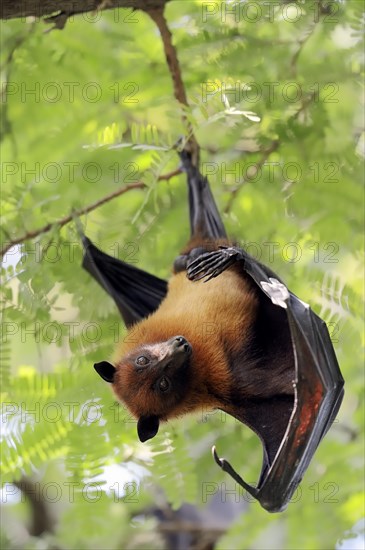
<point>180,341</point>
<point>181,344</point>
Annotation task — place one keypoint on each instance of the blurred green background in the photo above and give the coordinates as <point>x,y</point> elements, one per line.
<point>276,103</point>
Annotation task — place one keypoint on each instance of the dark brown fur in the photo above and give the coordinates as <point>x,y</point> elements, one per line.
<point>219,319</point>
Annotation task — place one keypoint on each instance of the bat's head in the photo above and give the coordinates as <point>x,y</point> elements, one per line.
<point>152,381</point>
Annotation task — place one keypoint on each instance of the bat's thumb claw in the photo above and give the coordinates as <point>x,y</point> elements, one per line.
<point>226,467</point>
<point>277,292</point>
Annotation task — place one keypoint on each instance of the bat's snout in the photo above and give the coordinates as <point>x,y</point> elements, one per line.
<point>179,344</point>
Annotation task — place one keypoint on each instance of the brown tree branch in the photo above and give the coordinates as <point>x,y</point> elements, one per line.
<point>157,15</point>
<point>169,175</point>
<point>155,10</point>
<point>82,211</point>
<point>67,219</point>
<point>11,9</point>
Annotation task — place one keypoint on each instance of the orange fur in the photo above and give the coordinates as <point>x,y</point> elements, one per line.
<point>203,314</point>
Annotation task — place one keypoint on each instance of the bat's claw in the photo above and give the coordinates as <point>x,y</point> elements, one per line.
<point>226,467</point>
<point>277,292</point>
<point>211,264</point>
<point>216,457</point>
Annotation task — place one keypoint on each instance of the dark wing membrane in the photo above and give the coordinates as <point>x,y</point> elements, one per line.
<point>269,419</point>
<point>318,396</point>
<point>318,390</point>
<point>136,292</point>
<point>205,220</point>
<point>290,430</point>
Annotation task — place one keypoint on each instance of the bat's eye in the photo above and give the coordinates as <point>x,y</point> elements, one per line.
<point>164,384</point>
<point>141,361</point>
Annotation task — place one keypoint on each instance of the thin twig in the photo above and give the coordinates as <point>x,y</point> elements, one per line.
<point>157,15</point>
<point>169,175</point>
<point>67,219</point>
<point>301,44</point>
<point>265,155</point>
<point>306,102</point>
<point>275,144</point>
<point>77,213</point>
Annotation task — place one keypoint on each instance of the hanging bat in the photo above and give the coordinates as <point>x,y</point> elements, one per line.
<point>223,333</point>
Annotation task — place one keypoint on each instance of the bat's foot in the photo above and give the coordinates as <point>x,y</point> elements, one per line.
<point>211,264</point>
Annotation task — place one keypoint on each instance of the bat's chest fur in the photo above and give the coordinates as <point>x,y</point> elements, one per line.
<point>215,317</point>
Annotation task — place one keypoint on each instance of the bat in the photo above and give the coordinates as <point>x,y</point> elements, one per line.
<point>269,360</point>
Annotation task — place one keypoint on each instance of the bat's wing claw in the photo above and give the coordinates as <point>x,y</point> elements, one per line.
<point>277,292</point>
<point>216,457</point>
<point>226,467</point>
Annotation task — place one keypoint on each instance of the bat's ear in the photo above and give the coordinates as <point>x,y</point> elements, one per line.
<point>147,427</point>
<point>105,370</point>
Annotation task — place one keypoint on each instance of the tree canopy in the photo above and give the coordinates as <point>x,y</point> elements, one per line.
<point>90,116</point>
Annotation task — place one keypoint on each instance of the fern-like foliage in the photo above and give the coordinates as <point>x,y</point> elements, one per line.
<point>285,78</point>
<point>174,471</point>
